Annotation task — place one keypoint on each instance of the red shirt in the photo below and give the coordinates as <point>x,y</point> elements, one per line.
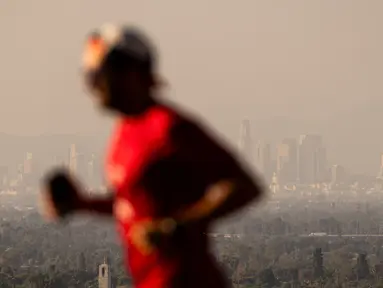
<point>152,181</point>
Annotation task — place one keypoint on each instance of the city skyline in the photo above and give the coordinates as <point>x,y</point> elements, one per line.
<point>288,158</point>
<point>267,157</point>
<point>299,67</point>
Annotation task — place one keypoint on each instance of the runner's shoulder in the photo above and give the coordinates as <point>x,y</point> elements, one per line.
<point>184,124</point>
<point>188,129</point>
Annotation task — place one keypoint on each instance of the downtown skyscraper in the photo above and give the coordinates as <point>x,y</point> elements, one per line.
<point>257,154</point>
<point>245,142</point>
<point>312,164</point>
<point>287,160</point>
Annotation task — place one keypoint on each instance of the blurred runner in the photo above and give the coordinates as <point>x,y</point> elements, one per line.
<point>169,178</point>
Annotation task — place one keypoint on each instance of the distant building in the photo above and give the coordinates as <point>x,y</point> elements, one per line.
<point>263,160</point>
<point>312,166</point>
<point>338,174</point>
<point>274,186</point>
<point>104,275</point>
<point>287,165</point>
<point>245,142</point>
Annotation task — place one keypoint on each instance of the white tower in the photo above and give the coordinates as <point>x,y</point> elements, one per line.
<point>245,141</point>
<point>274,186</point>
<point>104,276</point>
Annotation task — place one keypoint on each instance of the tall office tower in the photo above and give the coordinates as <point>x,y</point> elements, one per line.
<point>73,159</point>
<point>28,163</point>
<point>245,141</point>
<point>312,166</point>
<point>263,160</point>
<point>338,174</point>
<point>287,161</point>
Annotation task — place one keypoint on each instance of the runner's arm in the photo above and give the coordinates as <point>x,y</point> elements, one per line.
<point>221,199</point>
<point>98,205</point>
<point>231,186</point>
<point>65,195</point>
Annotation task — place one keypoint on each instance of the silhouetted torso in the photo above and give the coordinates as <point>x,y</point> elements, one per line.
<point>149,169</point>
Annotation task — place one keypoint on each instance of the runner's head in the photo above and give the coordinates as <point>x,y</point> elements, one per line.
<point>119,67</point>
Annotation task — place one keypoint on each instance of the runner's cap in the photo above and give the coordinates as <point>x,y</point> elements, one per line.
<point>129,40</point>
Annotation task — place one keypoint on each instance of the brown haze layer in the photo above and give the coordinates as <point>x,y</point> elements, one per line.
<point>290,66</point>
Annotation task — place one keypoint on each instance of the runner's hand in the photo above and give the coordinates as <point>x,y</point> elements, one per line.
<point>60,196</point>
<point>149,235</point>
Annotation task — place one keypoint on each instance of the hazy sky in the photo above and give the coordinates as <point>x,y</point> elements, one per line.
<point>293,66</point>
